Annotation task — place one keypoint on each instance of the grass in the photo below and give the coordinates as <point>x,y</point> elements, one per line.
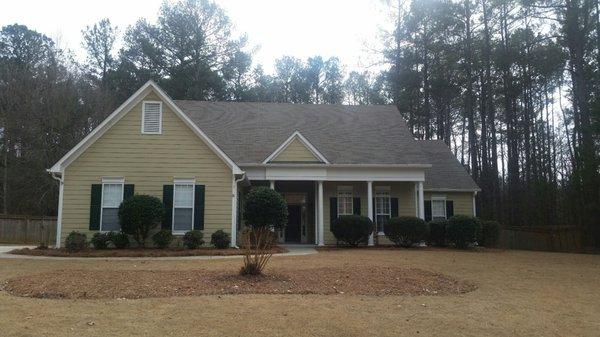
<point>519,293</point>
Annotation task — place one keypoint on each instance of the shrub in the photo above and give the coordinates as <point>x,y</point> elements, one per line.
<point>352,229</point>
<point>406,230</point>
<point>100,240</point>
<point>437,232</point>
<point>220,239</point>
<point>162,239</point>
<point>75,242</point>
<point>193,239</point>
<point>265,210</point>
<point>490,233</point>
<point>139,215</point>
<point>119,239</point>
<point>462,230</point>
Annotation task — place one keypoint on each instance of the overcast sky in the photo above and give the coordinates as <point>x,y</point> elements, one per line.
<point>302,28</point>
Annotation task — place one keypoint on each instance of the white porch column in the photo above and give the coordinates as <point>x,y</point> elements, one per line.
<point>321,241</point>
<point>416,199</point>
<point>370,209</point>
<point>272,184</point>
<point>234,212</point>
<point>474,204</point>
<point>60,208</point>
<point>316,214</point>
<point>421,201</point>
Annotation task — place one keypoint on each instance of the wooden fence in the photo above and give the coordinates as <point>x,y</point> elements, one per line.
<point>26,229</point>
<point>555,239</point>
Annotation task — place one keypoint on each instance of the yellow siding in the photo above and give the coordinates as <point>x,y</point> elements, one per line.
<point>296,152</point>
<point>148,162</point>
<point>463,201</point>
<point>404,191</point>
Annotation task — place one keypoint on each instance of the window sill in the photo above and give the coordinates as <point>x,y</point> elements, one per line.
<point>380,234</point>
<point>179,233</point>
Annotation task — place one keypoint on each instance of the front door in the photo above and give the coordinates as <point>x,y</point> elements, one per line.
<point>292,231</point>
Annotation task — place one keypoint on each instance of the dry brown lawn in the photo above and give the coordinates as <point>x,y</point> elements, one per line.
<point>519,294</point>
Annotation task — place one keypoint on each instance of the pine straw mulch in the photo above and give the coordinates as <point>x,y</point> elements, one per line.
<point>137,252</point>
<point>352,280</point>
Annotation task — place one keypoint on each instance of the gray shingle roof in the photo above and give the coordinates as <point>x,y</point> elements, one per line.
<point>446,172</point>
<point>375,134</point>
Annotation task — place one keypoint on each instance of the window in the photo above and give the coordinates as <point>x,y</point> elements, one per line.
<point>152,117</point>
<point>382,209</point>
<point>183,206</point>
<point>344,199</point>
<point>438,208</point>
<point>112,196</point>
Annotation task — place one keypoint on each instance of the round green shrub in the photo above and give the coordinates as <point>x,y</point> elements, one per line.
<point>139,215</point>
<point>264,207</point>
<point>119,239</point>
<point>100,240</point>
<point>220,239</point>
<point>75,242</point>
<point>490,233</point>
<point>405,230</point>
<point>437,232</point>
<point>193,239</point>
<point>162,239</point>
<point>462,230</point>
<point>352,229</point>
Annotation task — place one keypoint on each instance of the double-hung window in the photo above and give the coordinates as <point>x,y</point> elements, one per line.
<point>183,206</point>
<point>112,196</point>
<point>345,201</point>
<point>438,208</point>
<point>383,211</point>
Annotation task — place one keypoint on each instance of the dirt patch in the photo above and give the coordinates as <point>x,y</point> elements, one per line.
<point>147,283</point>
<point>136,252</point>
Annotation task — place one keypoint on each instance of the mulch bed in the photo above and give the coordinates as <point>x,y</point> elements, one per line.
<point>136,252</point>
<point>378,281</point>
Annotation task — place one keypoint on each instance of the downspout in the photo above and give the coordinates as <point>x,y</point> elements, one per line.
<point>60,206</point>
<point>474,204</point>
<point>234,209</point>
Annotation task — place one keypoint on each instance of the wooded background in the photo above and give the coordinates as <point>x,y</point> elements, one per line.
<point>511,86</point>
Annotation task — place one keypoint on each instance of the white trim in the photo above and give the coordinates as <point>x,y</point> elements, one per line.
<point>61,194</point>
<point>382,190</point>
<point>339,200</point>
<point>370,210</point>
<point>451,190</point>
<point>160,117</point>
<point>114,117</point>
<point>109,181</point>
<point>304,141</point>
<point>178,181</point>
<point>421,201</point>
<point>321,232</point>
<point>474,204</point>
<point>303,165</point>
<point>234,209</point>
<point>316,214</point>
<point>328,173</point>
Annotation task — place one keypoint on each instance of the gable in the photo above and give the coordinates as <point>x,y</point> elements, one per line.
<point>296,152</point>
<point>150,91</point>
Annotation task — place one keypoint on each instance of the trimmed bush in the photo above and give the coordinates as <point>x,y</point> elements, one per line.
<point>139,215</point>
<point>462,231</point>
<point>193,239</point>
<point>437,232</point>
<point>352,229</point>
<point>162,239</point>
<point>119,239</point>
<point>405,230</point>
<point>265,207</point>
<point>100,240</point>
<point>490,233</point>
<point>75,242</point>
<point>220,239</point>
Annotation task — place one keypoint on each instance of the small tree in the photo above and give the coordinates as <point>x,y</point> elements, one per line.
<point>139,215</point>
<point>264,211</point>
<point>406,230</point>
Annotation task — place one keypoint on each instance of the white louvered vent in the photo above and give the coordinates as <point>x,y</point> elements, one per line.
<point>152,118</point>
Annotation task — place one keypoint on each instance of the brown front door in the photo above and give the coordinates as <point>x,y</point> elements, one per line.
<point>292,231</point>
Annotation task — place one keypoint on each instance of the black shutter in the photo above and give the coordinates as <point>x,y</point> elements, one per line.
<point>128,191</point>
<point>427,210</point>
<point>394,207</point>
<point>449,208</point>
<point>356,206</point>
<point>199,207</point>
<point>95,207</point>
<point>333,211</point>
<point>168,205</point>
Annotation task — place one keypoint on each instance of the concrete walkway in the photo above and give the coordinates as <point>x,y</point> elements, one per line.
<point>293,250</point>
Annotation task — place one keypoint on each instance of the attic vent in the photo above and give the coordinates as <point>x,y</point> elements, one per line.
<point>152,117</point>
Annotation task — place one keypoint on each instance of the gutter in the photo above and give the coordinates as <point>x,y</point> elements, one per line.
<point>235,200</point>
<point>337,165</point>
<point>61,182</point>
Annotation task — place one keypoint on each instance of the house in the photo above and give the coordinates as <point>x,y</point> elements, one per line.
<point>199,158</point>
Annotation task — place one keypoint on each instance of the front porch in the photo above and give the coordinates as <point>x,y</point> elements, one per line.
<point>313,204</point>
